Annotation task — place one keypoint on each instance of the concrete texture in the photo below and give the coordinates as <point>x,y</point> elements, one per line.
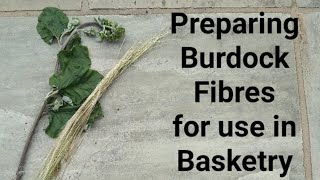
<point>14,5</point>
<point>26,66</point>
<point>312,84</point>
<point>274,175</point>
<point>308,3</point>
<point>135,139</point>
<point>115,4</point>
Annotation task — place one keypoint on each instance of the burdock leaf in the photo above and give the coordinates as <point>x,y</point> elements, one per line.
<point>74,41</point>
<point>81,89</point>
<point>51,23</point>
<point>45,34</point>
<point>74,63</point>
<point>57,119</point>
<point>96,114</point>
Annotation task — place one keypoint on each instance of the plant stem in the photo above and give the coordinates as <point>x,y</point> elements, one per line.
<point>20,170</point>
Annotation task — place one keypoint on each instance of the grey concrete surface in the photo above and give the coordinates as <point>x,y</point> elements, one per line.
<point>15,5</point>
<point>135,139</point>
<point>308,3</point>
<point>115,4</point>
<point>26,66</point>
<point>312,84</point>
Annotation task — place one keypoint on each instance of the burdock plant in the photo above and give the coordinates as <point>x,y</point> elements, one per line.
<point>72,104</point>
<point>73,79</point>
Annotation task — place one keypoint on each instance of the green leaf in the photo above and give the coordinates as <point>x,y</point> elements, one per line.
<point>81,89</point>
<point>96,114</point>
<point>74,63</point>
<point>51,23</point>
<point>45,34</point>
<point>58,119</point>
<point>74,41</point>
